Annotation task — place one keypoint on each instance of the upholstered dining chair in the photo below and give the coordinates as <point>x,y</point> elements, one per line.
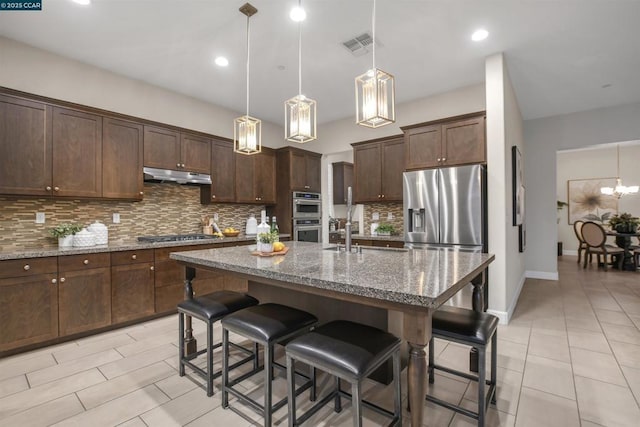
<point>596,238</point>
<point>582,245</point>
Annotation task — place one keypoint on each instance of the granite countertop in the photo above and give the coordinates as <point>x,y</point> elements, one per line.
<point>424,278</point>
<point>131,245</point>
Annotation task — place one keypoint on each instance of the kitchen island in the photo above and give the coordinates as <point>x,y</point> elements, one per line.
<point>411,282</point>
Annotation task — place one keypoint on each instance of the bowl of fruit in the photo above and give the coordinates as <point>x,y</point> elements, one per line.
<point>230,232</point>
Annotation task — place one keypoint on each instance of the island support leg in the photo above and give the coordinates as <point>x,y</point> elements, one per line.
<point>417,332</point>
<point>477,303</point>
<point>190,344</point>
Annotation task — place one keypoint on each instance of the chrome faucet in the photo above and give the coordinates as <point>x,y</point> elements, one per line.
<point>347,227</point>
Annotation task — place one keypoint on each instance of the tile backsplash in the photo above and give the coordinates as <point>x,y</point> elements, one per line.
<point>383,210</point>
<point>166,209</point>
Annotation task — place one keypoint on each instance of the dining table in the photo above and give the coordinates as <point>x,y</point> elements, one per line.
<point>409,284</point>
<point>623,240</point>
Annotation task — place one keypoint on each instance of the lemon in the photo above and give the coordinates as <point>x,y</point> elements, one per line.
<point>278,246</point>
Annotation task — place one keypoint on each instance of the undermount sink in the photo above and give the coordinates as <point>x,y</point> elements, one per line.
<point>366,249</point>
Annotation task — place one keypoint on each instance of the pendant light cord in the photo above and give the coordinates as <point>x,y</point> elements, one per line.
<point>248,33</point>
<point>618,150</point>
<point>300,53</point>
<point>373,31</point>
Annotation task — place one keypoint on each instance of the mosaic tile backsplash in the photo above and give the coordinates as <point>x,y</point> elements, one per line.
<point>166,209</point>
<point>383,210</point>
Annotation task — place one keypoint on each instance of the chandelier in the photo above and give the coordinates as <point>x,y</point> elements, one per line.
<point>300,111</point>
<point>619,190</point>
<point>375,92</point>
<point>247,130</point>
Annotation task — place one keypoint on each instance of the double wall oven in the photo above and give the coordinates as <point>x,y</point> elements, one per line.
<point>307,217</point>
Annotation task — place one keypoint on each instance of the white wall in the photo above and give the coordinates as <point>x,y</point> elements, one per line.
<point>543,138</point>
<point>504,129</point>
<point>597,162</point>
<point>43,73</point>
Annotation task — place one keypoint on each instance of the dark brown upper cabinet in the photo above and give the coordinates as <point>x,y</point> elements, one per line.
<point>223,171</point>
<point>256,177</point>
<point>170,149</point>
<point>378,168</point>
<point>304,169</point>
<point>342,179</point>
<point>122,158</point>
<point>449,142</point>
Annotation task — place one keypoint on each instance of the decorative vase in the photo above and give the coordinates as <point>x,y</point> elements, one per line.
<point>626,228</point>
<point>65,242</point>
<point>265,247</point>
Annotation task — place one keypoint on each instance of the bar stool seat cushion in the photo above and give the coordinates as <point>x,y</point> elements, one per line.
<point>346,348</point>
<point>217,304</point>
<point>268,322</point>
<point>465,325</point>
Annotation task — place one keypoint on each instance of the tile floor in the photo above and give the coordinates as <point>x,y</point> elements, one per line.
<point>569,357</point>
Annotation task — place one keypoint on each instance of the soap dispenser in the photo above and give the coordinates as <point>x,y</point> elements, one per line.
<point>252,226</point>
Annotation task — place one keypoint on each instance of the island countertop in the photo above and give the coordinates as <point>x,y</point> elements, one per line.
<point>425,278</point>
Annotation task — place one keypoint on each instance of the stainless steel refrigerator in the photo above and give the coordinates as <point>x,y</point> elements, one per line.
<point>446,207</point>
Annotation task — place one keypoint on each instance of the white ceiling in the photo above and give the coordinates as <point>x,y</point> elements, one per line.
<point>560,53</point>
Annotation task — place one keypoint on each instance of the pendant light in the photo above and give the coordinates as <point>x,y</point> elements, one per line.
<point>300,111</point>
<point>375,92</point>
<point>619,190</point>
<point>247,130</point>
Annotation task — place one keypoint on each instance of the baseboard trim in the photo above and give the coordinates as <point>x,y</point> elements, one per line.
<point>505,316</point>
<point>545,275</point>
<point>570,252</point>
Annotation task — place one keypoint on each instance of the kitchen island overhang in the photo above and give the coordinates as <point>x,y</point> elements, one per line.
<point>413,283</point>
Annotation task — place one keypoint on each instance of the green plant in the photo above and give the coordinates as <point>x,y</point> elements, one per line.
<point>598,218</point>
<point>267,237</point>
<point>385,228</point>
<point>64,230</point>
<point>624,221</point>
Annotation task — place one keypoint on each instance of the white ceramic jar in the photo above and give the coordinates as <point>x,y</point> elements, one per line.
<point>100,231</point>
<point>84,238</point>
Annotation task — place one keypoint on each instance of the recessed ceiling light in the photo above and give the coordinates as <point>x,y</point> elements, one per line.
<point>297,14</point>
<point>82,2</point>
<point>221,61</point>
<point>479,35</point>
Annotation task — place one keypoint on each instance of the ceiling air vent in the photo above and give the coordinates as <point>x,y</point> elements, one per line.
<point>359,45</point>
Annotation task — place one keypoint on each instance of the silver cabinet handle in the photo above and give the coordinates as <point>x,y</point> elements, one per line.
<point>177,165</point>
<point>27,267</point>
<point>48,188</point>
<point>383,196</point>
<point>134,256</point>
<point>444,159</point>
<point>56,188</point>
<point>182,165</point>
<point>142,193</point>
<point>213,196</point>
<point>152,268</point>
<point>54,281</point>
<point>62,280</point>
<point>85,262</point>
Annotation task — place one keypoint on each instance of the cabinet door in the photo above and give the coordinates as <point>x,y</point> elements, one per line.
<point>265,177</point>
<point>84,300</point>
<point>313,164</point>
<point>423,147</point>
<point>161,148</point>
<point>195,153</point>
<point>25,147</point>
<point>392,169</point>
<point>342,179</point>
<point>223,171</point>
<point>245,178</point>
<point>367,173</point>
<point>298,171</point>
<point>29,311</point>
<point>464,142</point>
<point>77,154</point>
<point>132,291</point>
<point>122,159</point>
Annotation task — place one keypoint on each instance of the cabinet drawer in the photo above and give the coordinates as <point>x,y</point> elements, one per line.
<point>388,244</point>
<point>28,267</point>
<point>132,257</point>
<point>83,262</point>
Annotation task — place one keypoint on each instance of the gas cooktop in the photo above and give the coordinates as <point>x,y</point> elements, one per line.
<point>176,238</point>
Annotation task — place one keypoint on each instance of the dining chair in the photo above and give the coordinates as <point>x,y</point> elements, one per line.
<point>636,258</point>
<point>582,245</point>
<point>595,238</point>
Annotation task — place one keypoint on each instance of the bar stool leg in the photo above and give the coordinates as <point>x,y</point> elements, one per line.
<point>268,375</point>
<point>256,358</point>
<point>209,359</point>
<point>397,404</point>
<point>356,404</point>
<point>181,343</point>
<point>494,365</point>
<point>312,392</point>
<point>431,360</point>
<point>338,402</point>
<point>481,385</point>
<point>225,368</point>
<point>291,386</point>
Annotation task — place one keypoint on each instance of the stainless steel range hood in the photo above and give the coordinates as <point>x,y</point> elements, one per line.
<point>180,177</point>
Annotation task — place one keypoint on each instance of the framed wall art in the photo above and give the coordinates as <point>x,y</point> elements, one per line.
<point>517,186</point>
<point>587,203</point>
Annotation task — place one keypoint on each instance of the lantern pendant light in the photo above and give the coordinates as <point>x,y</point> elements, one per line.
<point>300,111</point>
<point>619,190</point>
<point>247,130</point>
<point>375,92</point>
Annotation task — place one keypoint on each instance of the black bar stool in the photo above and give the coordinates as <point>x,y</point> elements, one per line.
<point>348,351</point>
<point>268,325</point>
<point>210,308</point>
<point>471,328</point>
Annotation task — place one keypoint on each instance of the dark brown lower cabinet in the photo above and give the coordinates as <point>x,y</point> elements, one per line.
<point>84,298</point>
<point>132,291</point>
<point>28,310</point>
